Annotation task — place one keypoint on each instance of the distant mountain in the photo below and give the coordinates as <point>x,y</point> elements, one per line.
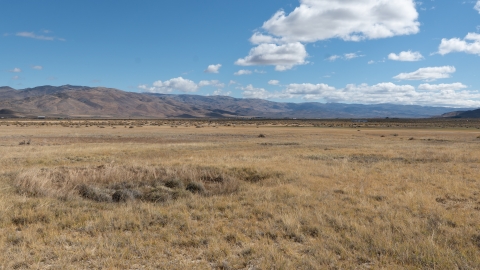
<point>101,102</point>
<point>463,114</point>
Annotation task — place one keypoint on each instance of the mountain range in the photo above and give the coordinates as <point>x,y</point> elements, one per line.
<point>101,102</point>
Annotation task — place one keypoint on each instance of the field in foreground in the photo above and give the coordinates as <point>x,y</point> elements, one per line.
<point>155,195</point>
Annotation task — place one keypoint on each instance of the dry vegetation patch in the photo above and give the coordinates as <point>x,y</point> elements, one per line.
<point>305,196</point>
<point>107,183</point>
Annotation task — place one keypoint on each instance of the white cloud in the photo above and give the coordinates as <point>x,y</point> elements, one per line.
<point>213,68</point>
<point>349,56</point>
<point>251,92</point>
<point>371,62</point>
<point>386,92</point>
<point>176,84</point>
<point>427,74</point>
<point>316,20</point>
<point>283,57</point>
<point>273,82</point>
<point>179,84</point>
<point>215,83</point>
<point>333,58</point>
<point>35,36</point>
<point>15,77</point>
<point>37,67</point>
<point>259,38</point>
<point>351,20</point>
<point>220,92</point>
<point>406,56</point>
<point>477,6</point>
<point>308,89</point>
<point>232,82</point>
<point>242,72</point>
<point>346,56</point>
<point>442,86</point>
<point>16,70</point>
<point>458,45</point>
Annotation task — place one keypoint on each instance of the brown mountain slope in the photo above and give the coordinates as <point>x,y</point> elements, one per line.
<point>466,114</point>
<point>93,102</point>
<point>101,102</point>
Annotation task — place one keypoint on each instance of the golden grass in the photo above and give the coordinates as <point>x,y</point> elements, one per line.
<point>303,197</point>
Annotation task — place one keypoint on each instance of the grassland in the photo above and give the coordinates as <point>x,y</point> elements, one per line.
<point>124,194</point>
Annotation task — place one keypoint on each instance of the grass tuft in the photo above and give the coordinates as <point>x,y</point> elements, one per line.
<point>196,187</point>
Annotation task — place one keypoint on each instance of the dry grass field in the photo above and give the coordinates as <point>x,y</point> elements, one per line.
<point>139,194</point>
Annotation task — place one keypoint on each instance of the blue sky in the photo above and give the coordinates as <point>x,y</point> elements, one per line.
<point>363,51</point>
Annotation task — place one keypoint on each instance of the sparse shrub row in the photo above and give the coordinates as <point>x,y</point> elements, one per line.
<point>125,183</point>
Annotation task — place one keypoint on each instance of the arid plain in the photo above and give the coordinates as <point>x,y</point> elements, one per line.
<point>171,194</point>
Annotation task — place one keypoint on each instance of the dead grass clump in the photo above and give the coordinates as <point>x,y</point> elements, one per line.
<point>378,198</point>
<point>251,175</point>
<point>114,183</point>
<point>159,195</point>
<point>15,240</point>
<point>196,187</point>
<point>125,195</point>
<point>94,193</point>
<point>42,182</point>
<point>476,240</point>
<point>30,219</point>
<point>174,184</point>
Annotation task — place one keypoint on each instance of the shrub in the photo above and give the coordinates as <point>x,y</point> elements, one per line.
<point>174,183</point>
<point>94,193</point>
<point>196,187</point>
<point>125,195</point>
<point>161,194</point>
<point>250,175</point>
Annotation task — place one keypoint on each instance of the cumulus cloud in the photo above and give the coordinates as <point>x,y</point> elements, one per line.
<point>273,82</point>
<point>283,57</point>
<point>179,84</point>
<point>15,77</point>
<point>37,67</point>
<point>259,38</point>
<point>215,83</point>
<point>346,56</point>
<point>470,44</point>
<point>16,70</point>
<point>442,86</point>
<point>317,20</point>
<point>333,58</point>
<point>408,56</point>
<point>36,36</point>
<point>387,92</point>
<point>242,72</point>
<point>477,6</point>
<point>282,43</point>
<point>349,56</point>
<point>427,74</point>
<point>220,92</point>
<point>213,68</point>
<point>308,90</point>
<point>252,92</point>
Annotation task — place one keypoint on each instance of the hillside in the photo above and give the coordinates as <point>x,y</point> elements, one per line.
<point>101,102</point>
<point>463,114</point>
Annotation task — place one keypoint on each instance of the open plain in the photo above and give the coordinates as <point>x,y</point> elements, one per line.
<point>263,194</point>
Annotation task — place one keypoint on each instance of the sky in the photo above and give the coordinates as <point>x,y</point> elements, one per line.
<point>343,51</point>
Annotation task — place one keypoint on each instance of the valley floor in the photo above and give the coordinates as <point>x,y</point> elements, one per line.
<point>143,195</point>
